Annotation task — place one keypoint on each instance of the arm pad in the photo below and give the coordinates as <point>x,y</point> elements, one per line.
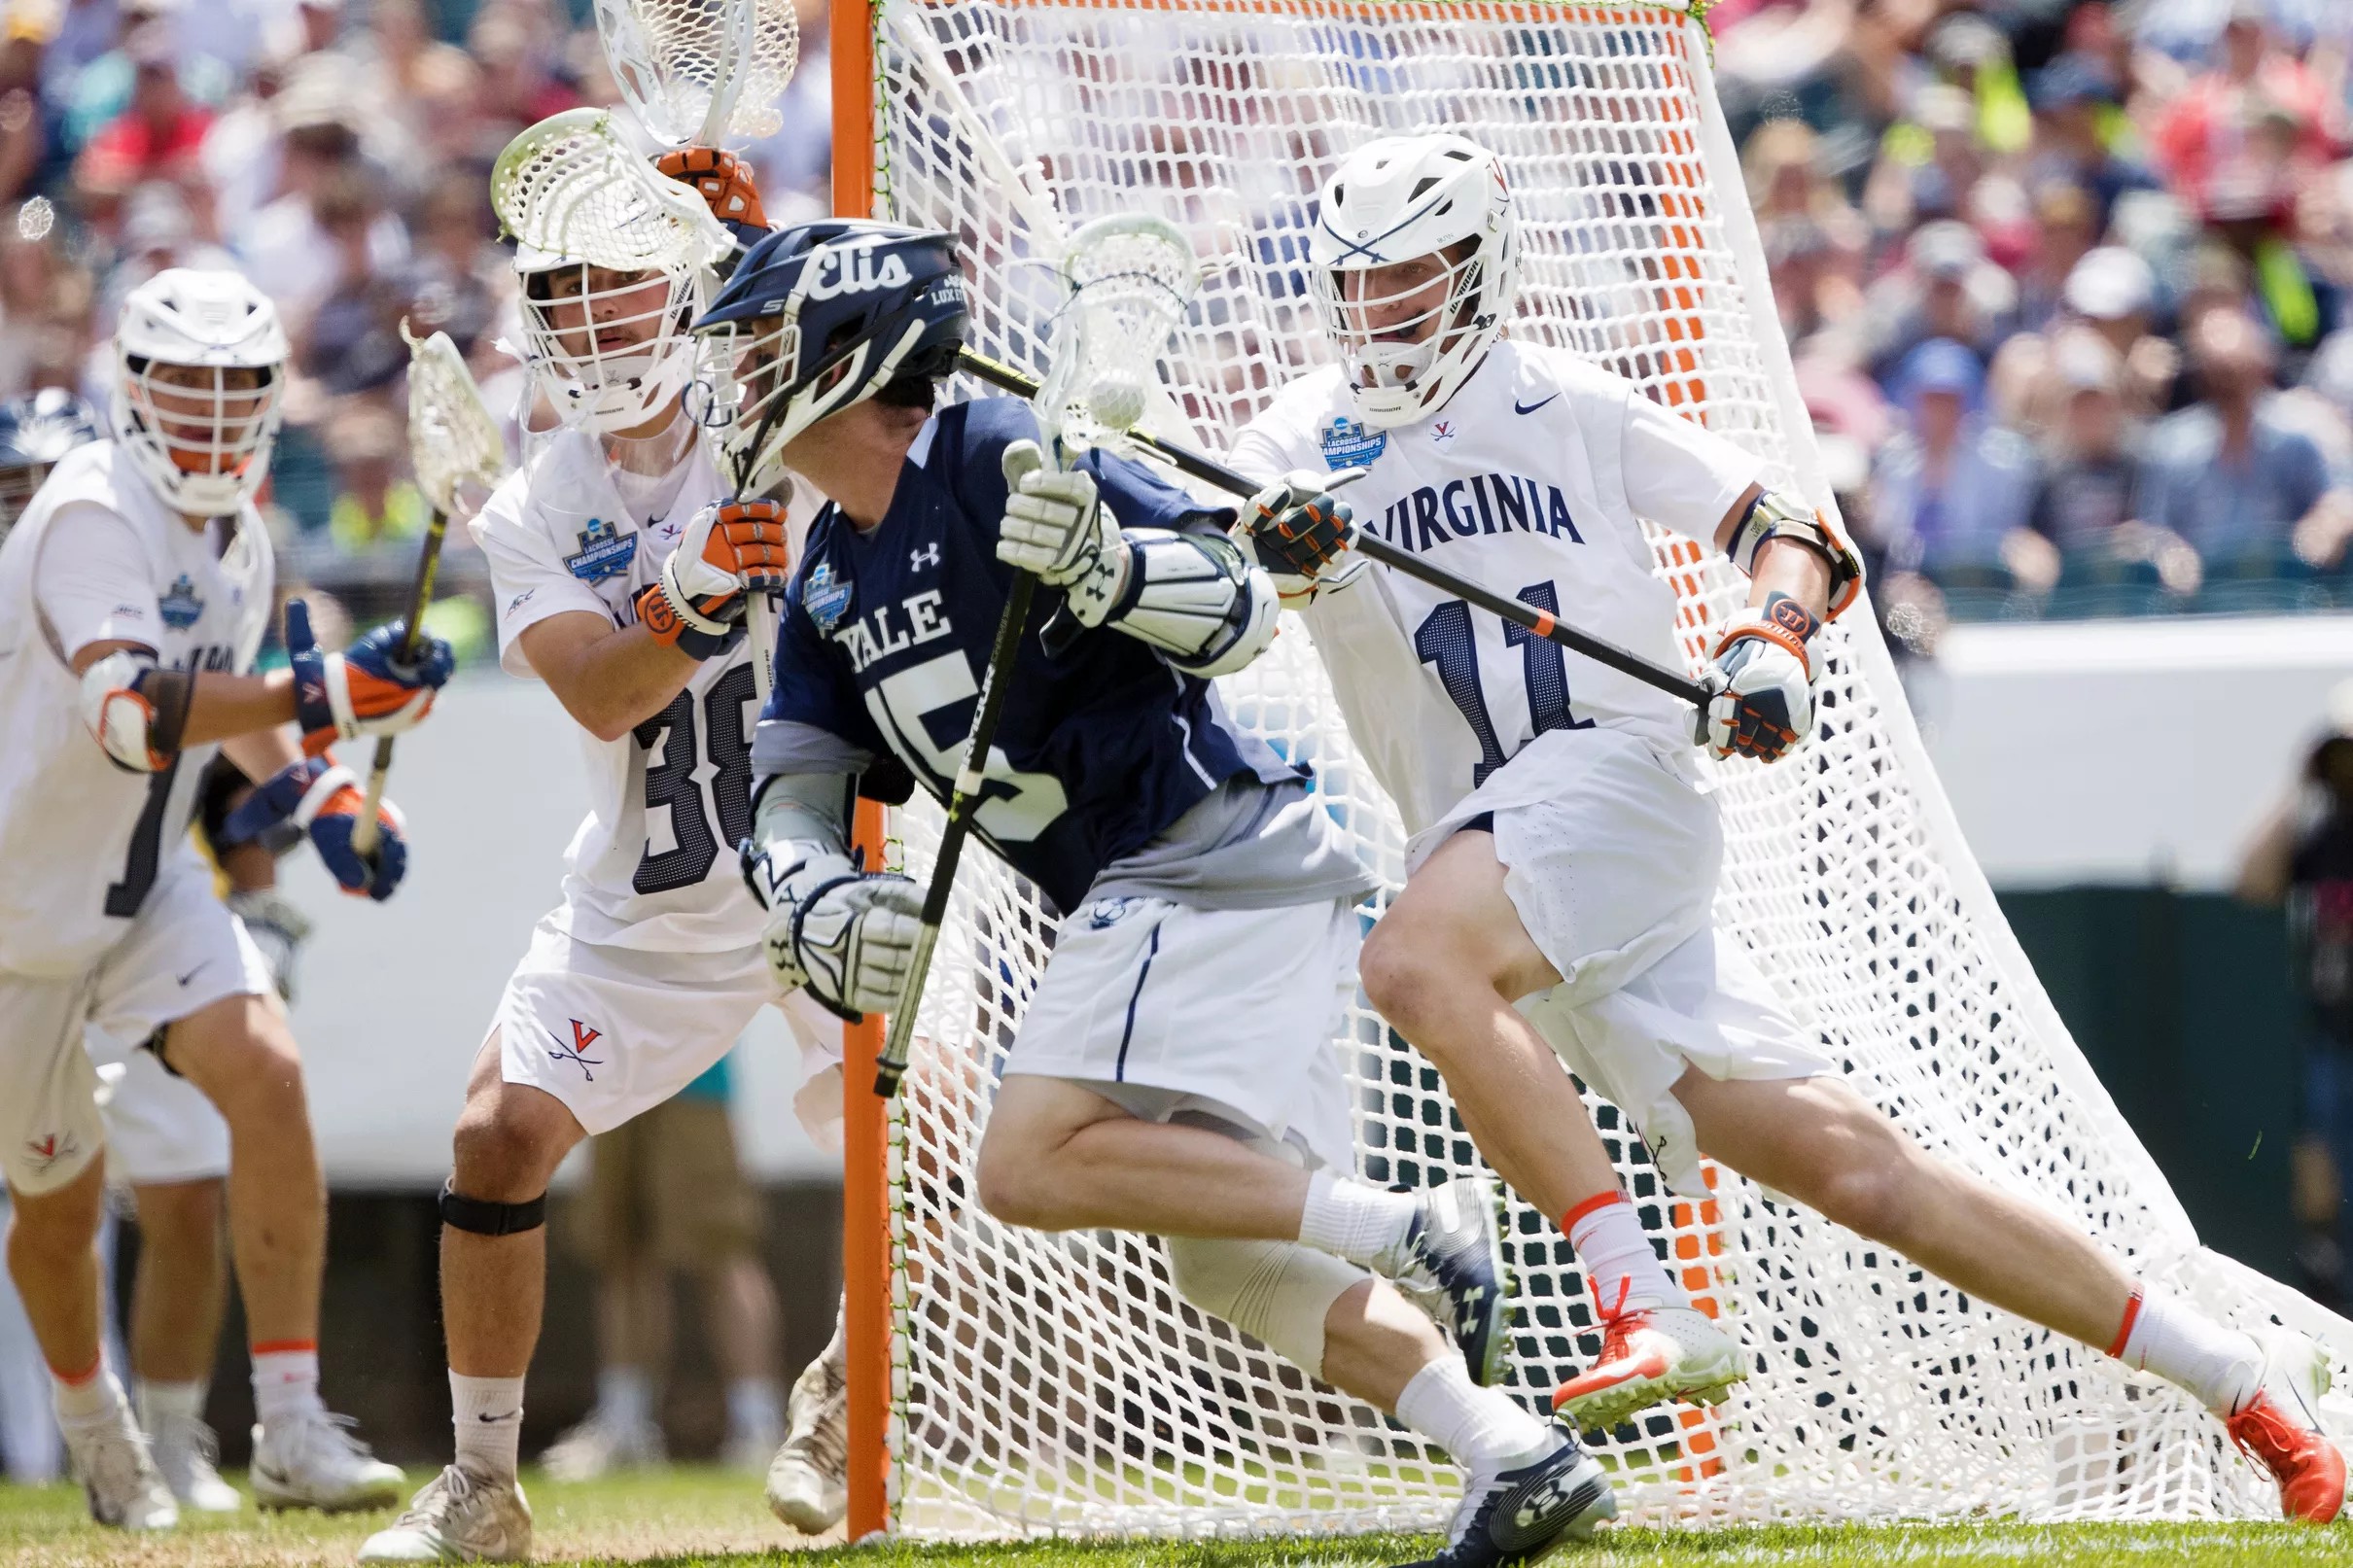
<point>137,710</point>
<point>1197,598</point>
<point>810,810</point>
<point>1773,518</point>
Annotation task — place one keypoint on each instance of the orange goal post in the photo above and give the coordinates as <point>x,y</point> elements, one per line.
<point>1007,1382</point>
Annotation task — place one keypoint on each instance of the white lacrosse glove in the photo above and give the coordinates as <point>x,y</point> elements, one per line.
<point>1057,529</point>
<point>846,934</point>
<point>1763,680</point>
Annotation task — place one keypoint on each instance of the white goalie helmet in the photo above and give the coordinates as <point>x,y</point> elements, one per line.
<point>1414,198</point>
<point>199,369</point>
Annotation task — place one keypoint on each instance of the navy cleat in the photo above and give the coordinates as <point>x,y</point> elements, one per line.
<point>1451,1266</point>
<point>1519,1515</point>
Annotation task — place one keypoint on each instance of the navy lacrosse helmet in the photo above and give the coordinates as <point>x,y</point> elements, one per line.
<point>820,317</point>
<point>35,432</point>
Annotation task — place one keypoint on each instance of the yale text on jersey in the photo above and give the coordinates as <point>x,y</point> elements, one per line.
<point>914,620</point>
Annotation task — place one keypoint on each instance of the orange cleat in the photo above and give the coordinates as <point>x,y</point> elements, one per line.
<point>2281,1430</point>
<point>1650,1355</point>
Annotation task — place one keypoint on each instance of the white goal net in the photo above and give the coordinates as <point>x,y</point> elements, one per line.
<point>1058,1383</point>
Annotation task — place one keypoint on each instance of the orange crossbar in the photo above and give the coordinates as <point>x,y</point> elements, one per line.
<point>1527,10</point>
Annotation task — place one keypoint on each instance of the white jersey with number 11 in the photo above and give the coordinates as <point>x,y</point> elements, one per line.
<point>1528,482</point>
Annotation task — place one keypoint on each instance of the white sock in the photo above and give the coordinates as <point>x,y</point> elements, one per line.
<point>1352,1220</point>
<point>1481,1428</point>
<point>756,1409</point>
<point>285,1384</point>
<point>160,1403</point>
<point>624,1396</point>
<point>488,1415</point>
<point>93,1399</point>
<point>2223,1367</point>
<point>1619,1264</point>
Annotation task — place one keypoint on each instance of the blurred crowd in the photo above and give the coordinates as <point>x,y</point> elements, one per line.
<point>338,152</point>
<point>2066,280</point>
<point>2066,283</point>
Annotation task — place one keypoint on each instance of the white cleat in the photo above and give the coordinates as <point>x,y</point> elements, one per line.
<point>462,1515</point>
<point>1651,1355</point>
<point>808,1480</point>
<point>599,1445</point>
<point>313,1461</point>
<point>118,1474</point>
<point>186,1454</point>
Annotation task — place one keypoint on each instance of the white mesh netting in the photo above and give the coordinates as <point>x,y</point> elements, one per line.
<point>1055,1382</point>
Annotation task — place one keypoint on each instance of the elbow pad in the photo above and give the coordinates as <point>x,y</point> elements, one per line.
<point>796,819</point>
<point>1195,598</point>
<point>1773,518</point>
<point>137,710</point>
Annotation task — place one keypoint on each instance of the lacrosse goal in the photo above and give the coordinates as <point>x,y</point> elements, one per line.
<point>1006,1381</point>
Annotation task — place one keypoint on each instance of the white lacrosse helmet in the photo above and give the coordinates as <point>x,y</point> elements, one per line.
<point>609,347</point>
<point>201,432</point>
<point>1399,199</point>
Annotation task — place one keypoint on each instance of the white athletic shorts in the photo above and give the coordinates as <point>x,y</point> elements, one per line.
<point>1231,1013</point>
<point>1610,857</point>
<point>612,1032</point>
<point>183,951</point>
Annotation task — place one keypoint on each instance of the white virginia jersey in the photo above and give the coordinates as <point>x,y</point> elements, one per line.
<point>1528,483</point>
<point>83,840</point>
<point>654,867</point>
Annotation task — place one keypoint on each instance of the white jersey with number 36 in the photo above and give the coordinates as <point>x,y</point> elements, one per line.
<point>1528,482</point>
<point>654,865</point>
<point>98,557</point>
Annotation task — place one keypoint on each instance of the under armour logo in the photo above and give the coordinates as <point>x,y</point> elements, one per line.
<point>927,556</point>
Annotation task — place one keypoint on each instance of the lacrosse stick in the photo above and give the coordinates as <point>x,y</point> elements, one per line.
<point>1537,622</point>
<point>695,72</point>
<point>453,440</point>
<point>572,186</point>
<point>1131,280</point>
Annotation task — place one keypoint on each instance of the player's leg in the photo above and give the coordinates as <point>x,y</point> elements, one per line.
<point>175,1331</point>
<point>166,1141</point>
<point>52,1144</point>
<point>1142,997</point>
<point>607,1227</point>
<point>707,1223</point>
<point>1820,1142</point>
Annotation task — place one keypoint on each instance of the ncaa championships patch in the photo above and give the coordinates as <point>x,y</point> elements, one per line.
<point>604,552</point>
<point>180,605</point>
<point>825,597</point>
<point>1348,445</point>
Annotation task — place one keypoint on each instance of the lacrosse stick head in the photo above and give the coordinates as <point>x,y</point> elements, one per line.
<point>701,70</point>
<point>820,317</point>
<point>453,444</point>
<point>1132,280</point>
<point>615,260</point>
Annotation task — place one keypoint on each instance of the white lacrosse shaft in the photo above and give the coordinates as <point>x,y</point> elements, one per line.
<point>761,614</point>
<point>451,439</point>
<point>1132,280</point>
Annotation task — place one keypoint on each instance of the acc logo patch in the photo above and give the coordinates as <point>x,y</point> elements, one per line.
<point>604,552</point>
<point>825,597</point>
<point>180,605</point>
<point>1348,445</point>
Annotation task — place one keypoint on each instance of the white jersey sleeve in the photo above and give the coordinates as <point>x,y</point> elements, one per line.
<point>90,582</point>
<point>97,556</point>
<point>528,576</point>
<point>1533,482</point>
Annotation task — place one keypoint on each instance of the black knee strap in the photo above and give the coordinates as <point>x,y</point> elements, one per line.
<point>491,1219</point>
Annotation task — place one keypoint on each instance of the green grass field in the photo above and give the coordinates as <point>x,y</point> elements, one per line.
<point>688,1516</point>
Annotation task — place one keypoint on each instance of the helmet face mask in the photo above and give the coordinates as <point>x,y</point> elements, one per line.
<point>1415,257</point>
<point>200,368</point>
<point>610,348</point>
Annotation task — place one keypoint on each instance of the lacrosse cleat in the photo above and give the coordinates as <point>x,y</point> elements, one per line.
<point>1520,1515</point>
<point>1650,1355</point>
<point>808,1480</point>
<point>462,1515</point>
<point>1450,1265</point>
<point>311,1460</point>
<point>112,1461</point>
<point>2280,1429</point>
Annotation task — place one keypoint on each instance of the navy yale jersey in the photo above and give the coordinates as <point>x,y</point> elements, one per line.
<point>1102,745</point>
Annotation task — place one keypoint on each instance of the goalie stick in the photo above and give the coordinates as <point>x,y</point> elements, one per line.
<point>1131,280</point>
<point>452,439</point>
<point>1537,622</point>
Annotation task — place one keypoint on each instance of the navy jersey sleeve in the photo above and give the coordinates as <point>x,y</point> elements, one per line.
<point>1137,495</point>
<point>816,721</point>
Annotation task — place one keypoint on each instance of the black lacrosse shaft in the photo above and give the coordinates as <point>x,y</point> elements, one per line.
<point>1538,622</point>
<point>365,831</point>
<point>962,802</point>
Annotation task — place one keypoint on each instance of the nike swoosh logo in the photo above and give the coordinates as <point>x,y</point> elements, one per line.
<point>1519,408</point>
<point>509,1417</point>
<point>197,970</point>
